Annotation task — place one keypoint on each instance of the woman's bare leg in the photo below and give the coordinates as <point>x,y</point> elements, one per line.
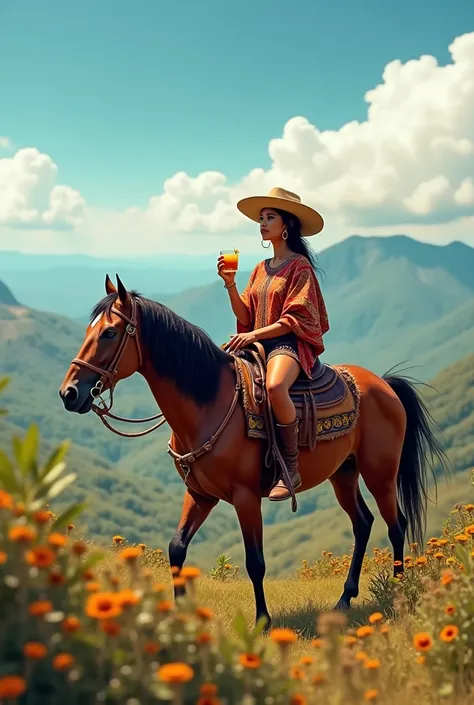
<point>282,371</point>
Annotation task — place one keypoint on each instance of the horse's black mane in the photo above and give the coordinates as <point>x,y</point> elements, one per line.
<point>179,351</point>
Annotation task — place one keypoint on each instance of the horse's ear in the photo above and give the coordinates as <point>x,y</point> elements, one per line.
<point>122,292</point>
<point>109,286</point>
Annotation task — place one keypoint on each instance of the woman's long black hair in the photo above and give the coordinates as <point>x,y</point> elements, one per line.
<point>295,241</point>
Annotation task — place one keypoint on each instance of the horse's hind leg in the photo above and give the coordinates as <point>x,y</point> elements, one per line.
<point>346,488</point>
<point>195,511</point>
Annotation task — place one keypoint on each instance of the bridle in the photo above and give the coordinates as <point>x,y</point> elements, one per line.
<point>108,375</point>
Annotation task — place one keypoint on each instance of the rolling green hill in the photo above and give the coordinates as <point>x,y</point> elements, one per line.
<point>389,299</point>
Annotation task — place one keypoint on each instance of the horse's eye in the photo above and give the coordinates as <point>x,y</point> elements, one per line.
<point>109,333</point>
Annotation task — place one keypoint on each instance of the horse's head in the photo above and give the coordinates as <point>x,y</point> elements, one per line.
<point>110,351</point>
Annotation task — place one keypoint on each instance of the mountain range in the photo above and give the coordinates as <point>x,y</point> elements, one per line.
<point>389,300</point>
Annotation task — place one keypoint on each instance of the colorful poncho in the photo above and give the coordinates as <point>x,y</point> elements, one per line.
<point>289,294</point>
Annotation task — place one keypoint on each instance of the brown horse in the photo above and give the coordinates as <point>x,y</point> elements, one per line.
<point>194,384</point>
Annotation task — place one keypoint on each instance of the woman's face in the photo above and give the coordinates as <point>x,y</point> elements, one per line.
<point>271,224</point>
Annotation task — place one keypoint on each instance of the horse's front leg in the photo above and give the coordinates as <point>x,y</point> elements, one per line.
<point>195,511</point>
<point>248,506</point>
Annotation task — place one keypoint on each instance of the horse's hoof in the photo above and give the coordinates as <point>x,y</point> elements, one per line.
<point>343,606</point>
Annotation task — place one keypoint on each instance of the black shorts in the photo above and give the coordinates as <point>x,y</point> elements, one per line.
<point>283,345</point>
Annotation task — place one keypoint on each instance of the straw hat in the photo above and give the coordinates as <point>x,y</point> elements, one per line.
<point>311,221</point>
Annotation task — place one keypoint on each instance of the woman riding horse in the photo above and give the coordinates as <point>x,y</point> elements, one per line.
<point>281,307</point>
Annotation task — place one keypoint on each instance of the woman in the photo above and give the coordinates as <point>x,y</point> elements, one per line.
<point>281,307</point>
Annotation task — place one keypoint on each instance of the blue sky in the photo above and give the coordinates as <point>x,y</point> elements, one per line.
<point>123,95</point>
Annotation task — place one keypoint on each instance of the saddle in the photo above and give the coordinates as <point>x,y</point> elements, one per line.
<point>327,405</point>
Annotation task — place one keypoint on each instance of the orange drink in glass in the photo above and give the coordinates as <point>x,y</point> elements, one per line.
<point>231,260</point>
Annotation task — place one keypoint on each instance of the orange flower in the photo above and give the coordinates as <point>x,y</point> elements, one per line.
<point>461,538</point>
<point>12,687</point>
<point>190,573</point>
<point>40,556</point>
<point>384,629</point>
<point>298,699</point>
<point>103,605</point>
<point>142,546</point>
<point>6,500</point>
<point>204,613</point>
<point>469,529</point>
<point>118,539</point>
<point>57,540</point>
<point>40,608</point>
<point>111,628</point>
<point>71,624</point>
<point>42,516</point>
<point>3,557</point>
<point>179,582</point>
<point>439,556</point>
<point>364,632</point>
<point>283,637</point>
<point>317,643</point>
<point>130,554</point>
<point>175,570</point>
<point>350,640</point>
<point>175,673</point>
<point>422,641</point>
<point>250,660</point>
<point>63,661</point>
<point>18,509</point>
<point>34,650</point>
<point>88,575</point>
<point>22,534</point>
<point>79,548</point>
<point>306,660</point>
<point>318,679</point>
<point>128,598</point>
<point>204,638</point>
<point>449,633</point>
<point>208,689</point>
<point>371,694</point>
<point>93,586</point>
<point>151,647</point>
<point>420,659</point>
<point>297,673</point>
<point>450,609</point>
<point>372,664</point>
<point>164,606</point>
<point>376,617</point>
<point>447,576</point>
<point>55,577</point>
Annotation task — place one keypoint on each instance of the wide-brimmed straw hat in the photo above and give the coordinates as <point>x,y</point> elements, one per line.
<point>311,221</point>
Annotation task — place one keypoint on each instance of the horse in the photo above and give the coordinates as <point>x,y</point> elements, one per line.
<point>194,383</point>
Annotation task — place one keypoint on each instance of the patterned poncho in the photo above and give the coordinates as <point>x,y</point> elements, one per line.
<point>289,294</point>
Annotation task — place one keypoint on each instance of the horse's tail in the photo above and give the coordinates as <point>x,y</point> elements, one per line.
<point>420,451</point>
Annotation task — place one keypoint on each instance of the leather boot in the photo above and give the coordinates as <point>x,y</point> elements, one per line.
<point>288,437</point>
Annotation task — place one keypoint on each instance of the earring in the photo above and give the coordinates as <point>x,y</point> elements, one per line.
<point>265,247</point>
<point>284,234</point>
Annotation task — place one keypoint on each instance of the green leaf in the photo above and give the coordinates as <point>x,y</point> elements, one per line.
<point>7,473</point>
<point>259,627</point>
<point>240,626</point>
<point>55,458</point>
<point>4,382</point>
<point>29,451</point>
<point>56,488</point>
<point>66,517</point>
<point>53,474</point>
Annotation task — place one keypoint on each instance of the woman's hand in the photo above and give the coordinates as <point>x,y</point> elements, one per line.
<point>228,277</point>
<point>241,340</point>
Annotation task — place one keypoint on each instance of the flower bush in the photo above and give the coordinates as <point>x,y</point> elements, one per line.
<point>89,626</point>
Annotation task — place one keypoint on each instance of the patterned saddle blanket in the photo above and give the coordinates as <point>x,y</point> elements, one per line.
<point>327,405</point>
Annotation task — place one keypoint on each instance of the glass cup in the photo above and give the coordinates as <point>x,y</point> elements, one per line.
<point>231,260</point>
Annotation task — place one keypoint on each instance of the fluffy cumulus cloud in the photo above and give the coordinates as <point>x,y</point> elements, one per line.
<point>409,165</point>
<point>411,162</point>
<point>30,197</point>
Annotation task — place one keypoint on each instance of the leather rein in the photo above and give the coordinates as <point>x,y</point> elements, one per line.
<point>108,375</point>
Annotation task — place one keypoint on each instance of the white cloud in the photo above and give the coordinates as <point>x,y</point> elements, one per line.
<point>30,197</point>
<point>407,168</point>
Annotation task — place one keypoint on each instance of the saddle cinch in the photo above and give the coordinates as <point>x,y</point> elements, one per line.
<point>327,406</point>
